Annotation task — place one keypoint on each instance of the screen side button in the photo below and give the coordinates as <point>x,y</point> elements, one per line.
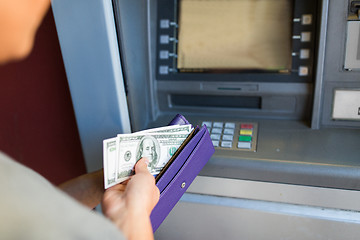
<point>164,23</point>
<point>163,70</point>
<point>305,36</point>
<point>164,39</point>
<point>306,19</point>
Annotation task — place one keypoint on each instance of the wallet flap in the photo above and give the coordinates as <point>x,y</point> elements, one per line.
<point>178,162</point>
<point>187,166</point>
<point>179,120</point>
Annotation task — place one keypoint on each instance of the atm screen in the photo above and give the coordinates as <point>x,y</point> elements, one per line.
<point>234,35</point>
<point>236,40</point>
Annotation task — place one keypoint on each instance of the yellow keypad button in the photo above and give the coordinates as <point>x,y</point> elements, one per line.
<point>246,132</point>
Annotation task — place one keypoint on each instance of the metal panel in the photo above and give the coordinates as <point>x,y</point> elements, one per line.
<point>275,192</point>
<point>335,75</point>
<point>90,51</point>
<point>213,218</point>
<point>318,92</point>
<point>220,208</point>
<point>132,28</point>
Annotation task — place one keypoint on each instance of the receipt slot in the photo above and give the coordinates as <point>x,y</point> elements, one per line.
<point>346,105</point>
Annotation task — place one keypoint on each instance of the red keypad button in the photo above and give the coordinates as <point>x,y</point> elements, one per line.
<point>247,126</point>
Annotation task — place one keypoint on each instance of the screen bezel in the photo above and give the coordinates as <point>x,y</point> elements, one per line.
<point>168,10</point>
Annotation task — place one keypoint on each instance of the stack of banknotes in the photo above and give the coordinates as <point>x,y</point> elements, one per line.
<point>123,151</point>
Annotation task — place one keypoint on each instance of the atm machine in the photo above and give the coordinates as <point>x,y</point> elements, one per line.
<point>277,82</point>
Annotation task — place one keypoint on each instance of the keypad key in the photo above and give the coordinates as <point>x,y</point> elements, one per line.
<point>218,124</point>
<point>227,137</point>
<point>215,136</point>
<point>226,144</point>
<point>243,138</point>
<point>229,125</point>
<point>216,130</point>
<point>246,132</point>
<point>215,143</point>
<point>229,131</point>
<point>244,145</point>
<point>208,124</point>
<point>247,126</point>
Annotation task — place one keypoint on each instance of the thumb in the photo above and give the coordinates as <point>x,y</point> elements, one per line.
<point>141,166</point>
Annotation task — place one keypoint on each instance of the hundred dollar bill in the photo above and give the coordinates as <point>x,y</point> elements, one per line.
<point>110,152</point>
<point>157,147</point>
<point>110,158</point>
<point>168,129</point>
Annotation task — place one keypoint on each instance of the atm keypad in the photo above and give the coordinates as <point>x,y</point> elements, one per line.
<point>240,136</point>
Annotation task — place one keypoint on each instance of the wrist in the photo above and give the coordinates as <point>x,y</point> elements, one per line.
<point>135,225</point>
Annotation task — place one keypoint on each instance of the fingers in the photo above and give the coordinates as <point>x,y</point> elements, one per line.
<point>118,187</point>
<point>147,182</point>
<point>142,174</point>
<point>141,166</point>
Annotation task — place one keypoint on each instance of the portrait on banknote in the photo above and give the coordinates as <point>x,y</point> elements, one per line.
<point>149,147</point>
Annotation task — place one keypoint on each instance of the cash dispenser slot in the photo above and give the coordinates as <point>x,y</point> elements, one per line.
<point>211,101</point>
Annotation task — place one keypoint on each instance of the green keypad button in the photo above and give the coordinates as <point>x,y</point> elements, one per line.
<point>243,138</point>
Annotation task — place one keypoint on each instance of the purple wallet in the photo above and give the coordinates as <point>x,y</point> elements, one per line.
<point>179,174</point>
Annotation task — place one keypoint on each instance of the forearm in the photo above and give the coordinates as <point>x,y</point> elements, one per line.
<point>87,189</point>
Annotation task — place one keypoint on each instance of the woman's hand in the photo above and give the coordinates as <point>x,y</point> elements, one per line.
<point>129,204</point>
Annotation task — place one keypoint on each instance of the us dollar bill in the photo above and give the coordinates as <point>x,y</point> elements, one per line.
<point>110,159</point>
<point>119,164</point>
<point>157,147</point>
<point>169,129</point>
